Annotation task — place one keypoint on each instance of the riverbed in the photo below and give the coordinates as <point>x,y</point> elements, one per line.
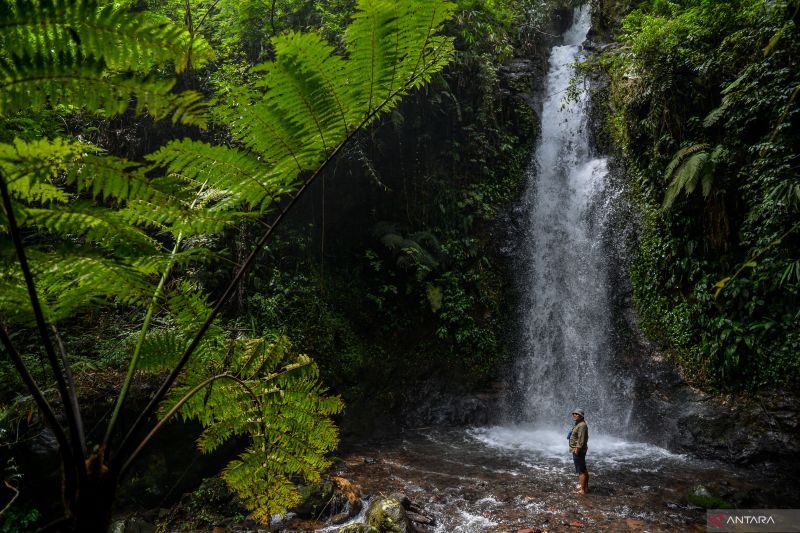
<point>507,478</point>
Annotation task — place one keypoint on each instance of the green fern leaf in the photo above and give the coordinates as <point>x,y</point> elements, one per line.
<point>684,172</point>
<point>230,172</point>
<point>124,40</point>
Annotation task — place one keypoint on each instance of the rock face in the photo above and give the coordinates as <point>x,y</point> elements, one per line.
<point>741,429</point>
<point>441,406</point>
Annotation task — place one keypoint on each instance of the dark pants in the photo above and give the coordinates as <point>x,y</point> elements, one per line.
<point>580,462</point>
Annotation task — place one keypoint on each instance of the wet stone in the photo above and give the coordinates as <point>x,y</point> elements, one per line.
<point>358,528</point>
<point>388,516</point>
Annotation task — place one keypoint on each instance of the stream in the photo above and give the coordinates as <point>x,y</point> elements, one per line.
<point>508,478</point>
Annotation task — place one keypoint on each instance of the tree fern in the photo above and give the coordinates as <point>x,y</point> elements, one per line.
<point>689,167</point>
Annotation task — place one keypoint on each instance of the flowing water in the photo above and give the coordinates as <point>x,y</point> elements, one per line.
<point>563,269</point>
<point>520,475</point>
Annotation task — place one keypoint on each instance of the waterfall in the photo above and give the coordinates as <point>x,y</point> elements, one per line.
<point>564,341</point>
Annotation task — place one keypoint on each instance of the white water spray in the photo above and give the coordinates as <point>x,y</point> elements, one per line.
<point>565,338</point>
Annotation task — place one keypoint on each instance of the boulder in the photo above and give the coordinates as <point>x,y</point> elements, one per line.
<point>388,516</point>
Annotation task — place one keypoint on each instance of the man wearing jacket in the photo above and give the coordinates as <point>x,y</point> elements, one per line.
<point>578,439</point>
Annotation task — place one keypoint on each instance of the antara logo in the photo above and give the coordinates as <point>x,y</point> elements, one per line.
<point>720,521</point>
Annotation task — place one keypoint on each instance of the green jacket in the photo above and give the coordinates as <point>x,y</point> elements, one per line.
<point>579,436</point>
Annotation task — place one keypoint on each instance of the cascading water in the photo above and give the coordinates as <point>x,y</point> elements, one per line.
<point>563,267</point>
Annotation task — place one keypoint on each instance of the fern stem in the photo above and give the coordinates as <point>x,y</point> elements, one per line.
<point>70,381</point>
<point>180,403</point>
<point>69,400</point>
<point>173,375</point>
<point>143,332</point>
<point>138,348</point>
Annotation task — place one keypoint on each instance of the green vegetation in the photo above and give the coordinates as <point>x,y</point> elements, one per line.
<point>89,230</point>
<point>704,107</point>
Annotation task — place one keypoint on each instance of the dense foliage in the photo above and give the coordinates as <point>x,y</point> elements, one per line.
<point>704,106</point>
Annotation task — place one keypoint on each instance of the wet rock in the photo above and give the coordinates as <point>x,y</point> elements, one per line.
<point>355,508</point>
<point>359,528</point>
<point>441,406</point>
<point>745,429</point>
<point>339,518</point>
<point>421,519</point>
<point>388,516</point>
<point>346,498</point>
<point>316,498</point>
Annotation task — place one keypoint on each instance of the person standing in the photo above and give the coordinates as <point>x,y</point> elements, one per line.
<point>578,440</point>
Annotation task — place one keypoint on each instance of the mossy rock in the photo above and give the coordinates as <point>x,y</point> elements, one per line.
<point>701,497</point>
<point>388,516</point>
<point>358,528</point>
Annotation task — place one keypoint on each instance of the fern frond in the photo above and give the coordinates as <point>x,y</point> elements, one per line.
<point>110,177</point>
<point>27,166</point>
<point>277,401</point>
<point>161,349</point>
<point>124,40</point>
<point>394,46</point>
<point>313,99</point>
<point>32,83</point>
<point>179,219</point>
<point>68,282</point>
<point>307,83</point>
<point>229,171</point>
<point>680,156</point>
<point>686,177</point>
<point>107,228</point>
<point>690,166</point>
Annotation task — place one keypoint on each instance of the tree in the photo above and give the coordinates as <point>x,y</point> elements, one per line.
<point>89,229</point>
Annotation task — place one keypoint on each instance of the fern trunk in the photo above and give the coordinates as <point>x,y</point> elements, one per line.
<point>89,511</point>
